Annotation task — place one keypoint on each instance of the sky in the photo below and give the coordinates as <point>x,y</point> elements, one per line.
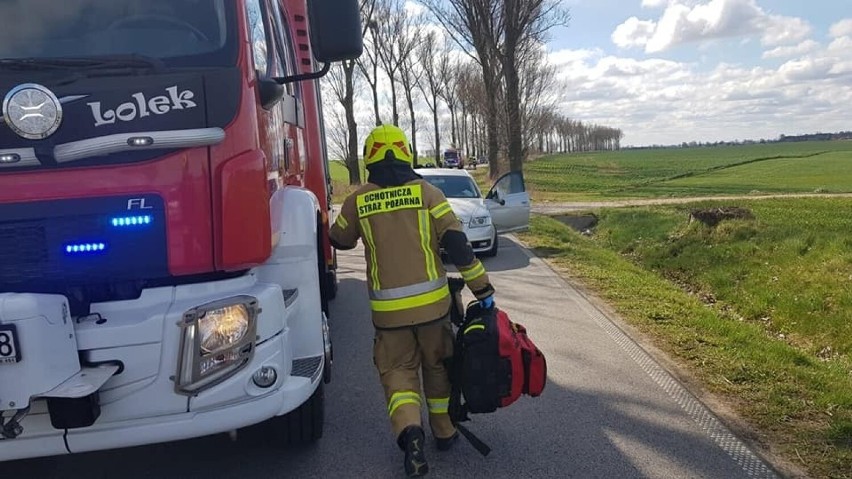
<point>670,71</point>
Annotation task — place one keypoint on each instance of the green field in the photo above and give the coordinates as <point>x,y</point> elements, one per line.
<point>805,167</point>
<point>338,171</point>
<point>340,181</point>
<point>760,310</point>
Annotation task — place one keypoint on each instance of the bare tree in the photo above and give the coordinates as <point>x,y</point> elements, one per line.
<point>409,72</point>
<point>342,79</point>
<point>391,23</point>
<point>448,73</point>
<point>477,24</point>
<point>472,99</point>
<point>537,87</point>
<point>525,24</point>
<point>431,85</point>
<point>337,133</point>
<point>369,62</point>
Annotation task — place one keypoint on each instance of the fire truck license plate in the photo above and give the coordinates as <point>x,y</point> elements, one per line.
<point>10,352</point>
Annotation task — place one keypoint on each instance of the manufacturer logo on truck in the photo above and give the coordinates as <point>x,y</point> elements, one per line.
<point>32,111</point>
<point>141,106</point>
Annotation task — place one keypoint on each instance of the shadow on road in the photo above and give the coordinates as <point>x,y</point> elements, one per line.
<point>509,257</point>
<point>589,423</point>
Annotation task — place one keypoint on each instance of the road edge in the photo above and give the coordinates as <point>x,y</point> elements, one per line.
<point>714,404</point>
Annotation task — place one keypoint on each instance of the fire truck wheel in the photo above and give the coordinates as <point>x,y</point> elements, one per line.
<point>327,290</point>
<point>305,424</point>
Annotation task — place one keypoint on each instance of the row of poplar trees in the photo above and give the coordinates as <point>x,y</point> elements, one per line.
<point>478,65</point>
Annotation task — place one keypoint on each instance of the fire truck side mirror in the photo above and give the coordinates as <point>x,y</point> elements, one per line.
<point>336,32</point>
<point>271,92</point>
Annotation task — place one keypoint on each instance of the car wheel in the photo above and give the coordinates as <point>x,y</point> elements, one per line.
<point>492,252</point>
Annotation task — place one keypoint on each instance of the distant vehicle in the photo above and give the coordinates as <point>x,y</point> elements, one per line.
<point>453,159</point>
<point>504,209</point>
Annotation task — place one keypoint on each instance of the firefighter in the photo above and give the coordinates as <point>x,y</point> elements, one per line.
<point>403,222</point>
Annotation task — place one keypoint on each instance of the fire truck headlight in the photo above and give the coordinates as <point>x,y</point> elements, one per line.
<point>223,327</point>
<point>218,340</point>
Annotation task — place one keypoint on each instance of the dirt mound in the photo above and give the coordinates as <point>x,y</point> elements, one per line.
<point>714,216</point>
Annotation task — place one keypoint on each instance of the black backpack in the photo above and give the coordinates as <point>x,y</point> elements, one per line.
<point>494,362</point>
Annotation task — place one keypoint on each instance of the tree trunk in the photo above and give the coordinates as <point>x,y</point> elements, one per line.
<point>410,100</point>
<point>492,128</point>
<point>453,124</point>
<point>513,111</point>
<point>393,101</point>
<point>464,142</point>
<point>475,134</point>
<point>352,159</point>
<point>437,135</point>
<point>375,87</point>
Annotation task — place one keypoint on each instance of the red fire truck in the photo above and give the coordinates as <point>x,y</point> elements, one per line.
<point>164,261</point>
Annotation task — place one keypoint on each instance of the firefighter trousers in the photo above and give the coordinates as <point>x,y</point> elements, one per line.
<point>400,355</point>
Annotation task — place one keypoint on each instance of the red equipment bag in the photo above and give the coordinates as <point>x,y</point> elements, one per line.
<point>494,362</point>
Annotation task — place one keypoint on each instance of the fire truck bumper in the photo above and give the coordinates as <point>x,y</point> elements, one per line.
<point>41,439</point>
<point>166,387</point>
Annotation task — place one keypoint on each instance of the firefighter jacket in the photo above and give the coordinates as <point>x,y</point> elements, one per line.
<point>402,228</point>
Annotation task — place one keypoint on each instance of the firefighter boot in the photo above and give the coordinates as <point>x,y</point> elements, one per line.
<point>445,444</point>
<point>411,441</point>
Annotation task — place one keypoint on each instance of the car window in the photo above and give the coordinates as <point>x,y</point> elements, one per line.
<point>510,184</point>
<point>455,186</point>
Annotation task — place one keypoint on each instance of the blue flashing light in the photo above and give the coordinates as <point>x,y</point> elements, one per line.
<point>83,248</point>
<point>124,221</point>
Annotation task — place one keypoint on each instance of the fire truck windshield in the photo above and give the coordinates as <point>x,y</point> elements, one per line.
<point>180,33</point>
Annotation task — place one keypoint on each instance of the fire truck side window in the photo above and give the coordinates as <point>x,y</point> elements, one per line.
<point>286,51</point>
<point>257,28</point>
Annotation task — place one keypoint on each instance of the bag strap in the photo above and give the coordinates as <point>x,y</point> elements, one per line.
<point>473,440</point>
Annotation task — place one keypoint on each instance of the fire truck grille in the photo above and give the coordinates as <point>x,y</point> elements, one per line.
<point>22,245</point>
<point>51,246</point>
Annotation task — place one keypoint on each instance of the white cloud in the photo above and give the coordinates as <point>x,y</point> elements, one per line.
<point>778,30</point>
<point>842,28</point>
<point>654,3</point>
<point>686,22</point>
<point>841,46</point>
<point>657,101</point>
<point>803,48</point>
<point>806,69</point>
<point>633,33</point>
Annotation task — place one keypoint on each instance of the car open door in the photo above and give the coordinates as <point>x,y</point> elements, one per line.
<point>509,203</point>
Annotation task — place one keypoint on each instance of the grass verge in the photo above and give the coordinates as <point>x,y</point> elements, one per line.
<point>757,310</point>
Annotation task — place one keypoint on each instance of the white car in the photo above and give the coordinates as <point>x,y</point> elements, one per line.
<point>504,209</point>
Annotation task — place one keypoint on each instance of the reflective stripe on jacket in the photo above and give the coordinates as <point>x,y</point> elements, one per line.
<point>401,228</point>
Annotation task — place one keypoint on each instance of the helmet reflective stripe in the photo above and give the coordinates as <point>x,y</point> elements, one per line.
<point>386,139</point>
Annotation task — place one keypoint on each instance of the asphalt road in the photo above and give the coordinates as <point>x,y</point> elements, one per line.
<point>608,411</point>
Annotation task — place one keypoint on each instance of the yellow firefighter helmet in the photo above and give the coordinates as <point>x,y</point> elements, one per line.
<point>385,141</point>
